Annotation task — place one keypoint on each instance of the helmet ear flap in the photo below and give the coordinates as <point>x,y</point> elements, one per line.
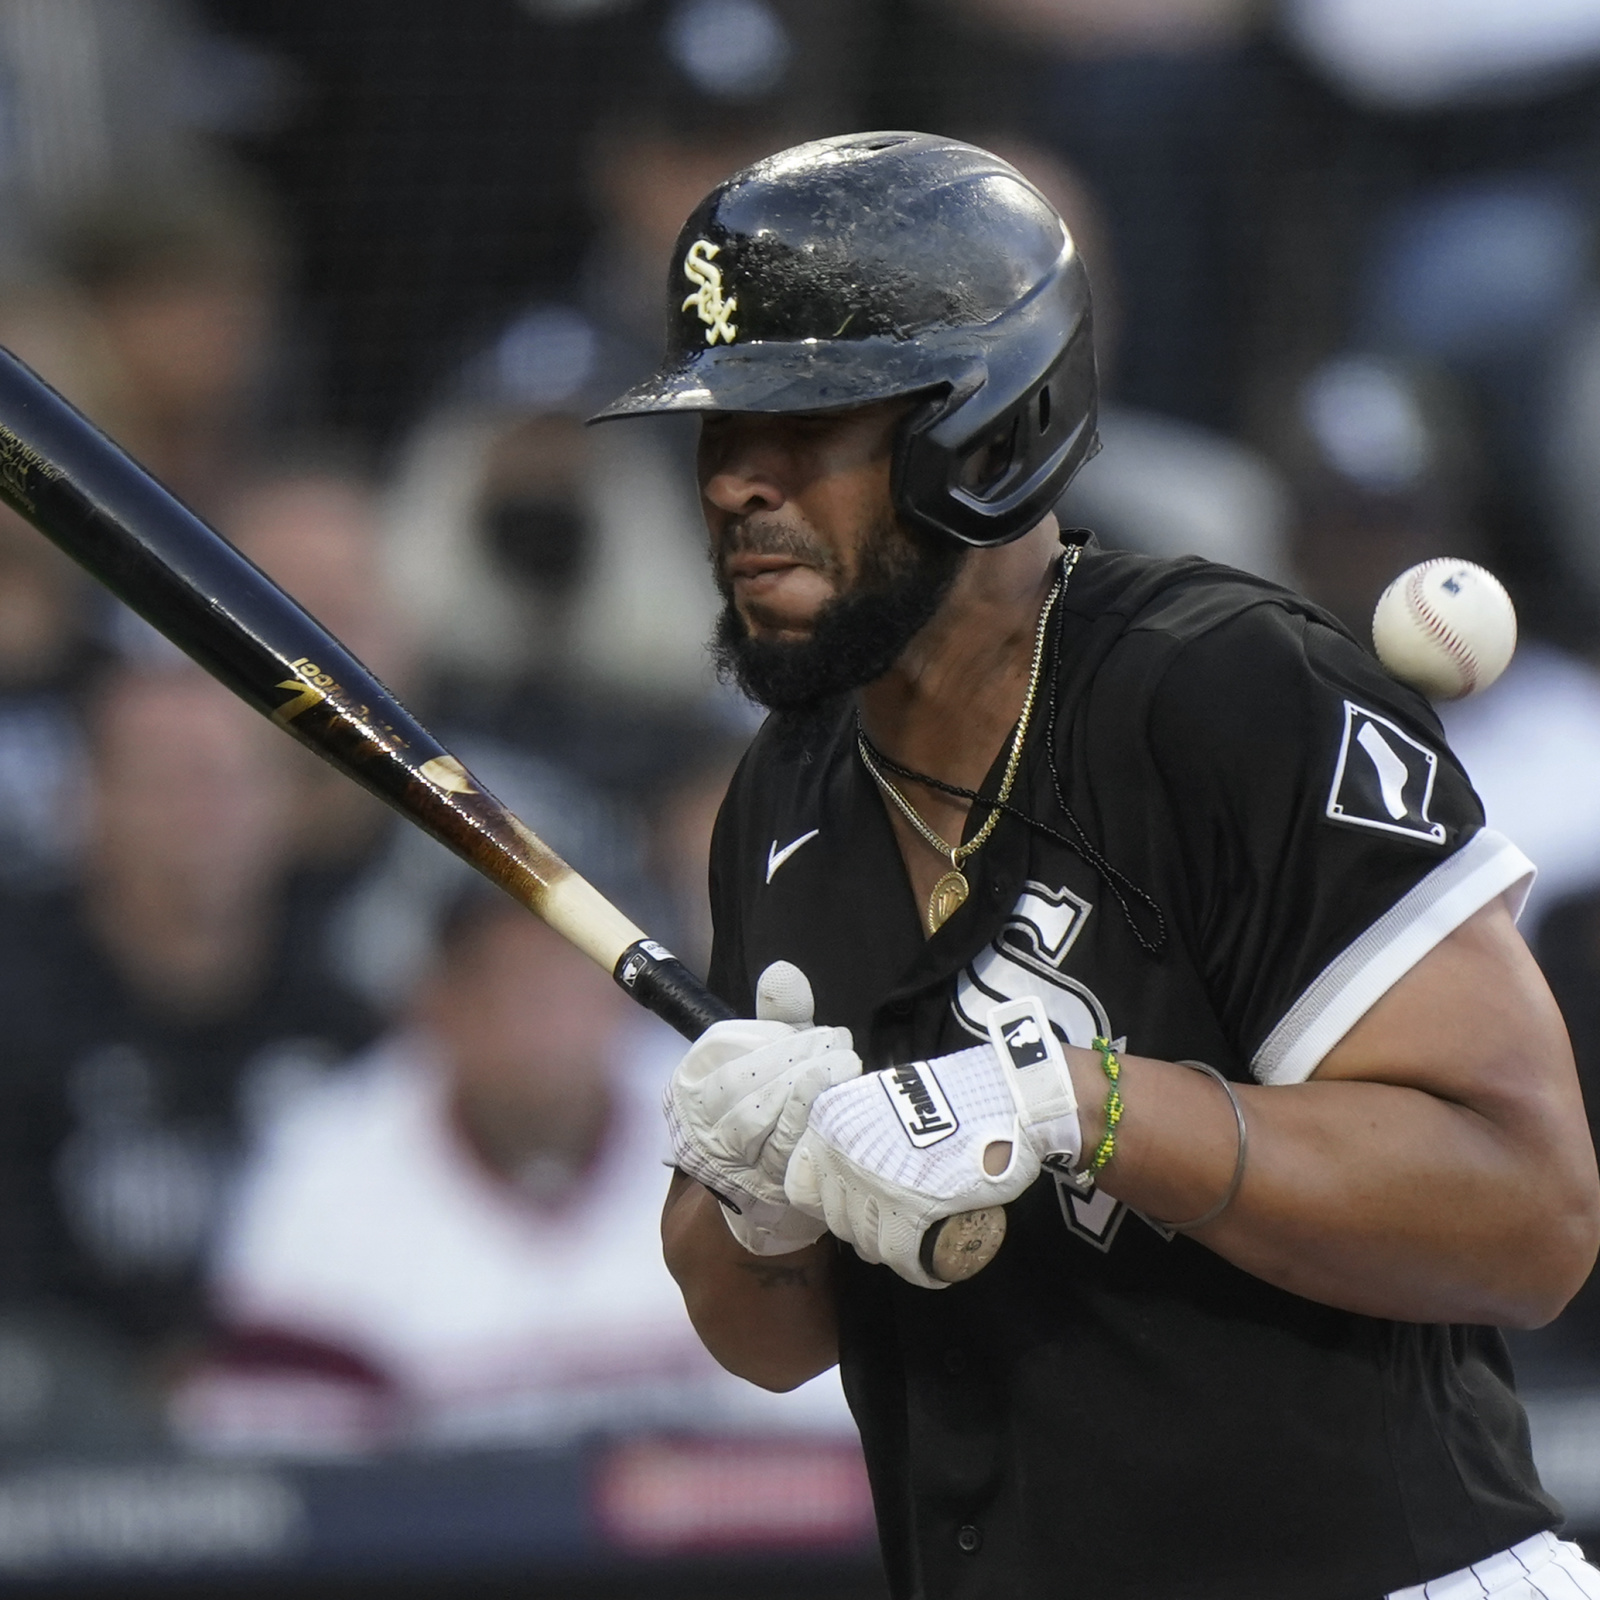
<point>988,464</point>
<point>988,480</point>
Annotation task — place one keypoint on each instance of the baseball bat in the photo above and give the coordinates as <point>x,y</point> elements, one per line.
<point>90,498</point>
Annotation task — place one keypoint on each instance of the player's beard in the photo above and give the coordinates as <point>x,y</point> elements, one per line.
<point>904,575</point>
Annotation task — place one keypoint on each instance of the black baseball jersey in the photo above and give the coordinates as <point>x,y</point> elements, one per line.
<point>1111,1409</point>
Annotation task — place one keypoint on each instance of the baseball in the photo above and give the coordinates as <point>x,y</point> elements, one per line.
<point>1446,627</point>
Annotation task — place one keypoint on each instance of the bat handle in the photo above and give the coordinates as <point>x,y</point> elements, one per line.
<point>952,1250</point>
<point>661,983</point>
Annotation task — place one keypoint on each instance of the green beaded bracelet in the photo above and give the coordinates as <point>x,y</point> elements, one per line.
<point>1083,1179</point>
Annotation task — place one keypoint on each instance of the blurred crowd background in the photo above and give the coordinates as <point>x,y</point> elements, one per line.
<point>311,1150</point>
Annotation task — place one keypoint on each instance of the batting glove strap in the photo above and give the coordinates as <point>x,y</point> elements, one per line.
<point>1035,1068</point>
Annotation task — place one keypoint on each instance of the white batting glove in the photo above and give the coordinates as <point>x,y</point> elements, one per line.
<point>739,1100</point>
<point>886,1157</point>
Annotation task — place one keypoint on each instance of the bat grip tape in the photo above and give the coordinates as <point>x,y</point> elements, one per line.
<point>661,983</point>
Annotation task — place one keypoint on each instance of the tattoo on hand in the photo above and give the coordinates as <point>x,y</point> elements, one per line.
<point>778,1274</point>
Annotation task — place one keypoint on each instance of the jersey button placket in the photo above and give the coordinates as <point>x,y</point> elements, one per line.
<point>969,1538</point>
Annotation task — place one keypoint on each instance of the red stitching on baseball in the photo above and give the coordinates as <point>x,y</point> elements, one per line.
<point>1453,643</point>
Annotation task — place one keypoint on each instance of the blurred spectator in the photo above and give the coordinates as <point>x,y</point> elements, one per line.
<point>457,152</point>
<point>43,652</point>
<point>41,609</point>
<point>1159,484</point>
<point>1380,458</point>
<point>470,1211</point>
<point>1569,459</point>
<point>542,560</point>
<point>1486,275</point>
<point>145,1007</point>
<point>1170,488</point>
<point>181,279</point>
<point>512,537</point>
<point>48,616</point>
<point>546,565</point>
<point>1388,472</point>
<point>1531,743</point>
<point>315,531</point>
<point>1416,54</point>
<point>1454,222</point>
<point>1158,105</point>
<point>101,96</point>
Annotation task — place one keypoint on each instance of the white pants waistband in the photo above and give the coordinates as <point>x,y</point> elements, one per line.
<point>1541,1568</point>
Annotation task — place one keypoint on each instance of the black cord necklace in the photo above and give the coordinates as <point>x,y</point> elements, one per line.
<point>1079,843</point>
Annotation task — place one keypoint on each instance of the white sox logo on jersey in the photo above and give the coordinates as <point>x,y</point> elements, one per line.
<point>1383,778</point>
<point>1028,957</point>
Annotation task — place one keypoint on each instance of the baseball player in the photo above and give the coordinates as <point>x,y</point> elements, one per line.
<point>1127,895</point>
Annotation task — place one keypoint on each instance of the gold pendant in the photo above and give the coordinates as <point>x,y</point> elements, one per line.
<point>949,894</point>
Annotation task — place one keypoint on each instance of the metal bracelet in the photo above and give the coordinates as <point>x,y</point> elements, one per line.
<point>1239,1162</point>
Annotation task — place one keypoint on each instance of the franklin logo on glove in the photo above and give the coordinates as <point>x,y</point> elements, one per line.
<point>920,1104</point>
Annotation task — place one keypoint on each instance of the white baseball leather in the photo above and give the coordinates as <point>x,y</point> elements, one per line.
<point>1446,627</point>
<point>887,1156</point>
<point>738,1102</point>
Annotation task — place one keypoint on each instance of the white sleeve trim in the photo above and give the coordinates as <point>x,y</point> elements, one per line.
<point>1487,865</point>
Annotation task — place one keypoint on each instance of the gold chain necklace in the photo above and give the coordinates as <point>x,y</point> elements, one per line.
<point>951,891</point>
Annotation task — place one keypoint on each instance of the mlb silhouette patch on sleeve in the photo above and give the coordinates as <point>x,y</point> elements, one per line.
<point>1384,778</point>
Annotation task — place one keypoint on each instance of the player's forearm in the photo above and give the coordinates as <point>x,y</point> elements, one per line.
<point>1372,1197</point>
<point>768,1319</point>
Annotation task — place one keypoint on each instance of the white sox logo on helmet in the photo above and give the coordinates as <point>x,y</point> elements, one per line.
<point>707,298</point>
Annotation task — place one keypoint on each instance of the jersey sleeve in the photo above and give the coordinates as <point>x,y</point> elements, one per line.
<point>1328,837</point>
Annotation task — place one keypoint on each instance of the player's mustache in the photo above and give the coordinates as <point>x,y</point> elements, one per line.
<point>761,536</point>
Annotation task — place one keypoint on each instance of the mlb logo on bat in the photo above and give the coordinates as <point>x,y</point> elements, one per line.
<point>919,1103</point>
<point>1383,778</point>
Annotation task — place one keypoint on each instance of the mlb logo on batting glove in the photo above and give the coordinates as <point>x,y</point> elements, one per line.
<point>1035,1068</point>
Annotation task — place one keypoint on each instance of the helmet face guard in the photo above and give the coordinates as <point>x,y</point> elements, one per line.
<point>877,266</point>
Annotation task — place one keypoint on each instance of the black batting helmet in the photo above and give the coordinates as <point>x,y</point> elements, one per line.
<point>861,268</point>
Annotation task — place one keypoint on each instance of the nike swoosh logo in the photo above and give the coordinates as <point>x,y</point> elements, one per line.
<point>777,857</point>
